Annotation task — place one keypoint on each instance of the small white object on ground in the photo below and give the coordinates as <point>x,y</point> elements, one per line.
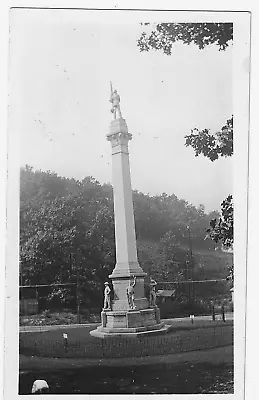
<point>38,386</point>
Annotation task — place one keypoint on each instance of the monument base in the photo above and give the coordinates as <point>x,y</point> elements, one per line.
<point>130,323</point>
<point>102,333</point>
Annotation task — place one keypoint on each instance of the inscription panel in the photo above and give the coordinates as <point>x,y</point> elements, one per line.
<point>118,321</point>
<point>134,319</point>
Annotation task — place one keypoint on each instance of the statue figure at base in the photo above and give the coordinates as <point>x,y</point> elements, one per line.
<point>152,293</point>
<point>115,100</point>
<point>107,297</point>
<point>130,294</point>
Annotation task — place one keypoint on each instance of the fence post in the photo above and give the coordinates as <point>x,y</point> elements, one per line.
<point>213,312</point>
<point>223,313</point>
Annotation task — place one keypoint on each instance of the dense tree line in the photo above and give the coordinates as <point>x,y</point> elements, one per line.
<point>67,228</point>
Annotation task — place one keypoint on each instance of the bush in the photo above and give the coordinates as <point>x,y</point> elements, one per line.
<point>66,317</point>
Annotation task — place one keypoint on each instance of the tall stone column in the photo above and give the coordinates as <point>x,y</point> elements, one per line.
<point>127,264</point>
<point>126,317</point>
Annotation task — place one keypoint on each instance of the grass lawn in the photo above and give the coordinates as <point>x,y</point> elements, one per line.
<point>209,371</point>
<point>203,334</point>
<point>172,363</point>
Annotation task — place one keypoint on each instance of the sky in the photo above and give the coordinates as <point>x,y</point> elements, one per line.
<point>61,64</point>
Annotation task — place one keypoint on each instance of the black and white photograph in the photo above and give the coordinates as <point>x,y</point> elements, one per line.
<point>127,201</point>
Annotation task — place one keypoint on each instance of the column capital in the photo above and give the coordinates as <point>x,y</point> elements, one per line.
<point>118,126</point>
<point>119,141</point>
<point>119,136</point>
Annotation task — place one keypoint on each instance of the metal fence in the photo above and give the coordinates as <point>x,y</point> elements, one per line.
<point>115,347</point>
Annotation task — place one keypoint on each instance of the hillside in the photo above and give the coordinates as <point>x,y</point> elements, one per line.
<point>67,230</point>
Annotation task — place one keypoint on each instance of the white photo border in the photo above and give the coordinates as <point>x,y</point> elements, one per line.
<point>241,125</point>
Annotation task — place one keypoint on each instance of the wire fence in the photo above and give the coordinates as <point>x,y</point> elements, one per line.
<point>116,347</point>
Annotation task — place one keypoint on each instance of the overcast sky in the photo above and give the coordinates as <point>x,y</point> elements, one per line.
<point>61,66</point>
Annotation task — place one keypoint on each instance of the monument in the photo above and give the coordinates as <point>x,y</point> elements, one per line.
<point>129,313</point>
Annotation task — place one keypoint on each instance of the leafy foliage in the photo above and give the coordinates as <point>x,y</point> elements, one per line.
<point>214,146</point>
<point>67,233</point>
<point>222,229</point>
<point>230,276</point>
<point>201,34</point>
<point>210,145</point>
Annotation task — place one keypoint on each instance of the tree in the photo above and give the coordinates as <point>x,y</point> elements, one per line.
<point>213,146</point>
<point>210,145</point>
<point>67,228</point>
<point>221,229</point>
<point>61,217</point>
<point>201,34</point>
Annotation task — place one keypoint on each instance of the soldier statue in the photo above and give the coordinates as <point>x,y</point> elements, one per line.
<point>131,294</point>
<point>107,297</point>
<point>152,293</point>
<point>115,100</point>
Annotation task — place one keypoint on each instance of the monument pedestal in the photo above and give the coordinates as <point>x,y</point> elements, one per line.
<point>131,323</point>
<point>124,321</point>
